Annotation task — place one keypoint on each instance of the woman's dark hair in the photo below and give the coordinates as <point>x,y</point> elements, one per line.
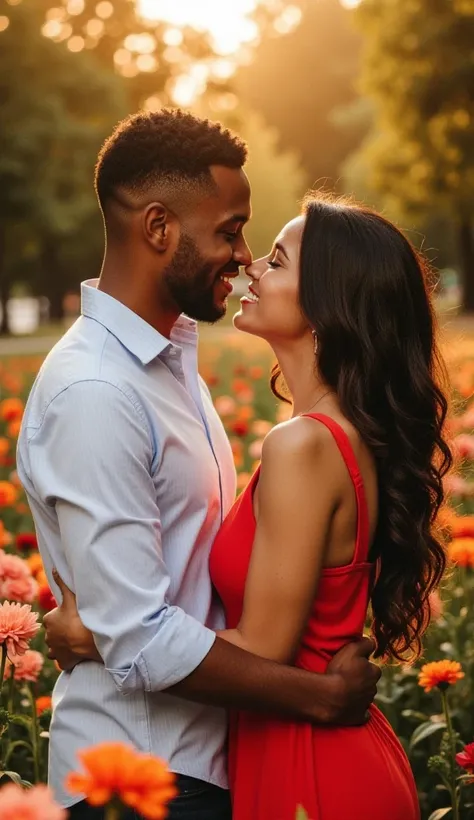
<point>365,291</point>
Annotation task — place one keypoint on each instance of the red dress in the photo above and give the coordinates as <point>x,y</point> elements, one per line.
<point>347,773</point>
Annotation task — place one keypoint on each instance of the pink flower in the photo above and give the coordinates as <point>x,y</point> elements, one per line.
<point>28,666</point>
<point>463,445</point>
<point>18,625</point>
<point>467,419</point>
<point>16,580</point>
<point>29,804</point>
<point>456,485</point>
<point>436,605</point>
<point>261,427</point>
<point>255,449</point>
<point>225,405</point>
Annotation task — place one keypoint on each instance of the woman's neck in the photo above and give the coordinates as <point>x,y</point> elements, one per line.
<point>298,366</point>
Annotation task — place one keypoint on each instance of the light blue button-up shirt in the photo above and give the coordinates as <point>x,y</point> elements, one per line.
<point>129,473</point>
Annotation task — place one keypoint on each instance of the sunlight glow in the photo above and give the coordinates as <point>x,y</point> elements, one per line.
<point>227,23</point>
<point>350,4</point>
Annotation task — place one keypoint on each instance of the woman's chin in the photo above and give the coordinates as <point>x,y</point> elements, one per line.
<point>241,322</point>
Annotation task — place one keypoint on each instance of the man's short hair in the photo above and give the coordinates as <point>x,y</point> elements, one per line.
<point>169,145</point>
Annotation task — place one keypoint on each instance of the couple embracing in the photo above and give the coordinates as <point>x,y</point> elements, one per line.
<point>227,637</point>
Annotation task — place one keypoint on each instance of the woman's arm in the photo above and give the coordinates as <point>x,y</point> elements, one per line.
<point>298,493</point>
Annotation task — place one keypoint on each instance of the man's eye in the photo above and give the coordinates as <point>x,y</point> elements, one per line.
<point>230,236</point>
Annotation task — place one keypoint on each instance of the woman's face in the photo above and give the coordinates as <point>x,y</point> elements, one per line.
<point>271,308</point>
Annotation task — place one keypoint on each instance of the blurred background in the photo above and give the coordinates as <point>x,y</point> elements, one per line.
<point>372,97</point>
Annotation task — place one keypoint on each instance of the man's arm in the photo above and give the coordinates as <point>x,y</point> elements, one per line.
<point>98,454</point>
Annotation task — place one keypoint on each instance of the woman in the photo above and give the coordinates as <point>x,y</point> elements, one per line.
<point>341,511</point>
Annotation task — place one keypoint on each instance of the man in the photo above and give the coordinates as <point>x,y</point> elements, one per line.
<point>129,475</point>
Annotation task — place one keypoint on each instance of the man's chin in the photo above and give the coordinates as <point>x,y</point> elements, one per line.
<point>210,315</point>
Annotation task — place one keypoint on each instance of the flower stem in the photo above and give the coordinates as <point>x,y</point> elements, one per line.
<point>35,741</point>
<point>11,690</point>
<point>452,761</point>
<point>112,812</point>
<point>3,662</point>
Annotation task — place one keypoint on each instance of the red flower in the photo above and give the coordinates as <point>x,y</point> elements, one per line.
<point>465,759</point>
<point>26,541</point>
<point>46,599</point>
<point>240,427</point>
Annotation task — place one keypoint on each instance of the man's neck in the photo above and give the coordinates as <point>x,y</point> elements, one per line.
<point>134,291</point>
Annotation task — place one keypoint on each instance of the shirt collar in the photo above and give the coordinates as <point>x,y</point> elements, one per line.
<point>140,338</point>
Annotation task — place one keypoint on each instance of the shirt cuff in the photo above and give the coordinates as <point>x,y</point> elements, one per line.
<point>171,656</point>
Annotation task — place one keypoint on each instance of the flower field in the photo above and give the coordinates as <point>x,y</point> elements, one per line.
<point>432,711</point>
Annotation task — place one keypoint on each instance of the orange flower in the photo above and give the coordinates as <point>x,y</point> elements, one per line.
<point>440,673</point>
<point>462,526</point>
<point>43,704</point>
<point>29,804</point>
<point>18,625</point>
<point>14,428</point>
<point>256,372</point>
<point>113,770</point>
<point>8,494</point>
<point>5,537</point>
<point>461,552</point>
<point>35,564</point>
<point>11,409</point>
<point>237,452</point>
<point>242,480</point>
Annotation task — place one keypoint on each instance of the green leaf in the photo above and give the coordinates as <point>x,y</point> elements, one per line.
<point>425,730</point>
<point>301,814</point>
<point>15,745</point>
<point>412,714</point>
<point>16,778</point>
<point>439,813</point>
<point>22,720</point>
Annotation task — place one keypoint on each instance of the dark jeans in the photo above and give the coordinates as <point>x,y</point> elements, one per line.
<point>196,801</point>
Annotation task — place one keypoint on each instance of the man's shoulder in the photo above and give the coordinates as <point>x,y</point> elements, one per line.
<point>84,360</point>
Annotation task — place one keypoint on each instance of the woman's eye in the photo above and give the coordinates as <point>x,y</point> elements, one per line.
<point>273,263</point>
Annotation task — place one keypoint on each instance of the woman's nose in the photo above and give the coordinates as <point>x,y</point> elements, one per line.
<point>254,270</point>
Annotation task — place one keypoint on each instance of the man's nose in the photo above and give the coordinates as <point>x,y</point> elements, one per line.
<point>243,254</point>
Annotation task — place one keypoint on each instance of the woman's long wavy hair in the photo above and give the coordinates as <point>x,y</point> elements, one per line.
<point>365,291</point>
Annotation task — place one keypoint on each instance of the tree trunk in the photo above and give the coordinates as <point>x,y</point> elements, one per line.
<point>5,287</point>
<point>52,276</point>
<point>466,258</point>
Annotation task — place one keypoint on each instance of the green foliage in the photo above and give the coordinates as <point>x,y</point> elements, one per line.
<point>419,157</point>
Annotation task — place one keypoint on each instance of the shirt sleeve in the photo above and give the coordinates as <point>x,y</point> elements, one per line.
<point>91,460</point>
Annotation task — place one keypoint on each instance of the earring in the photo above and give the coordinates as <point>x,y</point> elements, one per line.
<point>315,343</point>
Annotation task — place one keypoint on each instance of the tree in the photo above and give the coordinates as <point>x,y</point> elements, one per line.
<point>56,110</point>
<point>300,80</point>
<point>419,71</point>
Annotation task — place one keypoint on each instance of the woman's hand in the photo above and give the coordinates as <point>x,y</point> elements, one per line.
<point>68,640</point>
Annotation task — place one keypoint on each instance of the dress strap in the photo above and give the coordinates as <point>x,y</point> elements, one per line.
<point>362,545</point>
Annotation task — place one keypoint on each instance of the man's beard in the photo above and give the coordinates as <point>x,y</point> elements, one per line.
<point>189,282</point>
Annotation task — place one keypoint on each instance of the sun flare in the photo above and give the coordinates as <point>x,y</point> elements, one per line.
<point>228,23</point>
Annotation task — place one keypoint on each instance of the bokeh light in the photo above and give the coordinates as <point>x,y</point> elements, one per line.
<point>228,24</point>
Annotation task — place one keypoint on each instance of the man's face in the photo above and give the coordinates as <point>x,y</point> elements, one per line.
<point>211,248</point>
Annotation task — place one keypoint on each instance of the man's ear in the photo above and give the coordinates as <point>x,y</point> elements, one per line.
<point>158,226</point>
